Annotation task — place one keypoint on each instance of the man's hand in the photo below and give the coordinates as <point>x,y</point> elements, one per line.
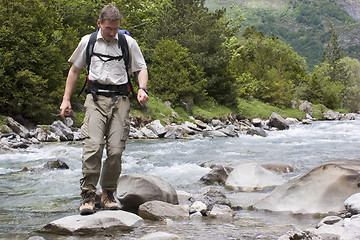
<point>65,108</point>
<point>142,96</point>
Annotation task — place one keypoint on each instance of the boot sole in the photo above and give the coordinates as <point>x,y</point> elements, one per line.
<point>87,212</point>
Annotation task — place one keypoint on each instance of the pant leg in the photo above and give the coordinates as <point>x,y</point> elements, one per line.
<point>93,132</point>
<point>116,136</point>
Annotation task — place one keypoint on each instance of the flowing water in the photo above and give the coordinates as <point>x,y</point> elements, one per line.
<point>30,199</point>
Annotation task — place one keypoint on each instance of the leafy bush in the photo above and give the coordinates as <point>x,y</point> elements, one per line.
<point>173,75</point>
<point>32,61</point>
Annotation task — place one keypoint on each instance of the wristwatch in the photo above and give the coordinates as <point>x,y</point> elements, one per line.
<point>143,88</point>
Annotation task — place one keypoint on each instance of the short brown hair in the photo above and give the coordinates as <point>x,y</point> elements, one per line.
<point>109,12</point>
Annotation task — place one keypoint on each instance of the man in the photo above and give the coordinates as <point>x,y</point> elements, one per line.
<point>106,121</point>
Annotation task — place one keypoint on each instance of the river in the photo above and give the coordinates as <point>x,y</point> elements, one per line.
<point>31,199</point>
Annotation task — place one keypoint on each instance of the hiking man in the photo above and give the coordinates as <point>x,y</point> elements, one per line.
<point>106,121</point>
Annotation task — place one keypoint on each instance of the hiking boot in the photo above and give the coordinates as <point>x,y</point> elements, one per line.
<point>88,204</point>
<point>108,201</point>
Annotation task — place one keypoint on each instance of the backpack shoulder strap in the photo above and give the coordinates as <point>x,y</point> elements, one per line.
<point>122,43</point>
<point>90,49</point>
<point>89,53</point>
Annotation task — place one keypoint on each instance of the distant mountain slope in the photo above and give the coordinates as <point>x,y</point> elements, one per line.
<point>352,7</point>
<point>303,24</point>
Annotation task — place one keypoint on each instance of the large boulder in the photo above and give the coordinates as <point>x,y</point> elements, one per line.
<point>136,189</point>
<point>322,190</point>
<point>94,223</point>
<point>17,128</point>
<point>252,177</point>
<point>278,122</point>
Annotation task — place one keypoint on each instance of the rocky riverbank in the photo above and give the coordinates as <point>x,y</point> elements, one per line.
<point>16,136</point>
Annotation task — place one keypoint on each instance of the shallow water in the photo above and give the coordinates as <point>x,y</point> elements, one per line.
<point>31,199</point>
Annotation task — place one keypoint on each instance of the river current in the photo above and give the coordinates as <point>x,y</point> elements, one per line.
<point>31,199</point>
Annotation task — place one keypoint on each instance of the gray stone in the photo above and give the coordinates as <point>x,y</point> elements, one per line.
<point>307,108</point>
<point>65,132</point>
<point>218,174</point>
<point>229,130</point>
<point>278,122</point>
<point>198,206</point>
<point>210,196</point>
<point>299,234</point>
<point>136,189</point>
<point>331,115</point>
<point>157,128</point>
<point>352,204</point>
<point>17,128</point>
<point>221,211</point>
<point>174,132</point>
<point>148,133</point>
<point>57,164</point>
<point>158,210</point>
<point>214,134</point>
<point>94,223</point>
<point>200,124</point>
<point>256,131</point>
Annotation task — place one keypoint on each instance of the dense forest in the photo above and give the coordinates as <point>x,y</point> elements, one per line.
<point>194,55</point>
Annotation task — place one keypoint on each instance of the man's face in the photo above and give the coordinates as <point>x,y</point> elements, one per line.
<point>109,29</point>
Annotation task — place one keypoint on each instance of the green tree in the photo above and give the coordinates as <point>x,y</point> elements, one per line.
<point>268,67</point>
<point>203,33</point>
<point>332,55</point>
<point>351,99</point>
<point>32,64</point>
<point>321,90</point>
<point>173,75</point>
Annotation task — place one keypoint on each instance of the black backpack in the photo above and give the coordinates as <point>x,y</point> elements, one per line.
<point>122,43</point>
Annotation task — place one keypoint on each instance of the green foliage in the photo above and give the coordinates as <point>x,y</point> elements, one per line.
<point>253,108</point>
<point>174,76</point>
<point>351,99</point>
<point>266,68</point>
<point>301,24</point>
<point>320,88</point>
<point>193,55</point>
<point>319,110</point>
<point>203,33</point>
<point>209,110</point>
<point>157,109</point>
<point>32,43</point>
<point>139,17</point>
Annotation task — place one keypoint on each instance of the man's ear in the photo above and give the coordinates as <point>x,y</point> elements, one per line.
<point>98,23</point>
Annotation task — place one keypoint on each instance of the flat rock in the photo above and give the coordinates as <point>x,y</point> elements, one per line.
<point>94,223</point>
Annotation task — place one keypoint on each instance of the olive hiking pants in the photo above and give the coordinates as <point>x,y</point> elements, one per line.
<point>106,123</point>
